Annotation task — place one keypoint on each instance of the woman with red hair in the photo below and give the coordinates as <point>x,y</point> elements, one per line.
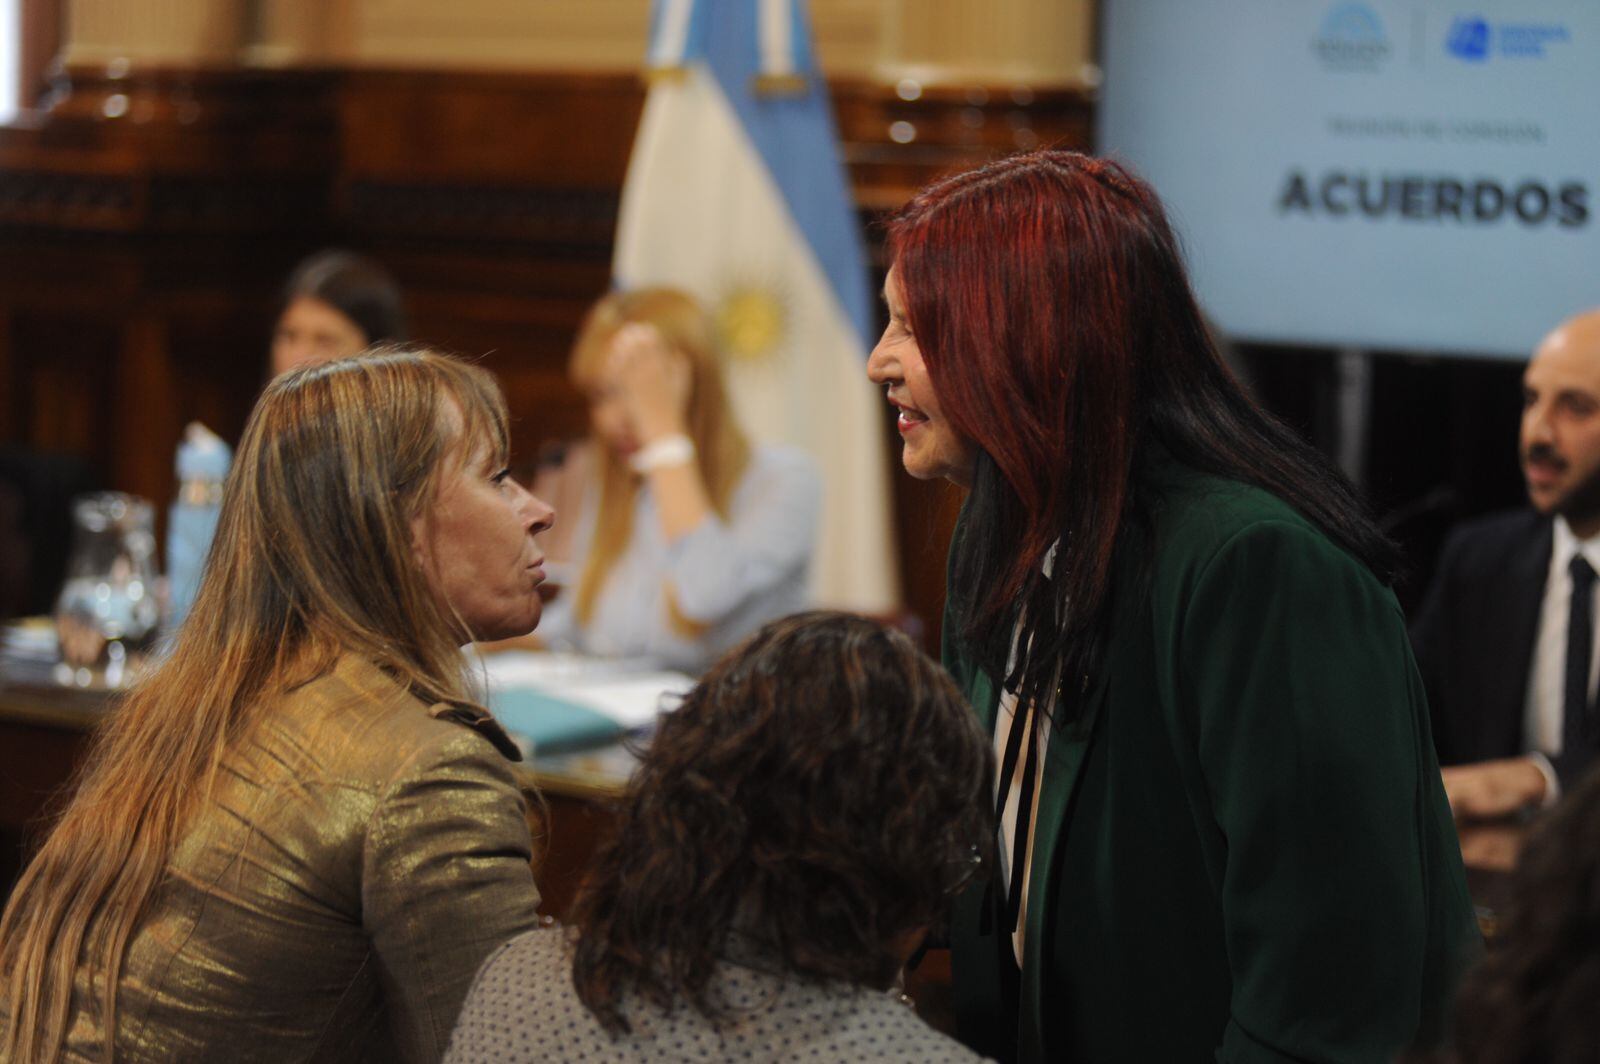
<point>1223,833</point>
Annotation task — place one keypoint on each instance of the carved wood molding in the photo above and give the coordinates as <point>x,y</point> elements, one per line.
<point>121,95</point>
<point>897,138</point>
<point>73,202</point>
<point>534,159</point>
<point>569,221</point>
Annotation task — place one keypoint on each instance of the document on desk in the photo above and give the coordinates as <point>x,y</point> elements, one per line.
<point>560,702</point>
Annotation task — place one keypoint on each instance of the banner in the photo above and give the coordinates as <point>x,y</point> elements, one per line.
<point>1382,174</point>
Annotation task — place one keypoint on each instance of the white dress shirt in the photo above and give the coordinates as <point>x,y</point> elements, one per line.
<point>1040,729</point>
<point>1039,732</point>
<point>1541,733</point>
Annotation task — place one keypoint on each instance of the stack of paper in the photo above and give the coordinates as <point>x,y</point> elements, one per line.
<point>553,702</point>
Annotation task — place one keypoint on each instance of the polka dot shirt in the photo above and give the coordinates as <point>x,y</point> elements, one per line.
<point>523,1007</point>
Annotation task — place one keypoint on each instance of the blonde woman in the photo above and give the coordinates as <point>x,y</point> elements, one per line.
<point>299,838</point>
<point>688,536</point>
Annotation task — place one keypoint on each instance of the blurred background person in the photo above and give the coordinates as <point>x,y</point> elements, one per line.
<point>688,536</point>
<point>797,824</point>
<point>1505,637</point>
<point>299,838</point>
<point>335,304</point>
<point>1223,832</point>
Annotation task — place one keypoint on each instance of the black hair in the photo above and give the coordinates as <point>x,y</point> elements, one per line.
<point>355,286</point>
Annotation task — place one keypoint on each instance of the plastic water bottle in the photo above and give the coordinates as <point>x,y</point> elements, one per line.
<point>203,461</point>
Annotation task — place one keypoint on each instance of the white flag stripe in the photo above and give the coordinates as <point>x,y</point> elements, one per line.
<point>714,229</point>
<point>672,36</point>
<point>777,37</point>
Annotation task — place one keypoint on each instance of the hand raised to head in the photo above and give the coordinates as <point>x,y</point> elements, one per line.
<point>652,381</point>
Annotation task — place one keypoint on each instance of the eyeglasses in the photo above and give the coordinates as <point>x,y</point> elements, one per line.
<point>961,871</point>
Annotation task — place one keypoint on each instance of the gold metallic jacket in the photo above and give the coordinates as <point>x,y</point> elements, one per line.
<point>364,853</point>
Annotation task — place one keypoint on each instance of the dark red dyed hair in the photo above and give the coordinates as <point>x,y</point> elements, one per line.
<point>1051,306</point>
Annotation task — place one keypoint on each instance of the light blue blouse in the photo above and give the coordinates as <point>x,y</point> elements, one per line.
<point>733,575</point>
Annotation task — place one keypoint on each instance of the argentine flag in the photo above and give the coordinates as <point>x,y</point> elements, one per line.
<point>735,193</point>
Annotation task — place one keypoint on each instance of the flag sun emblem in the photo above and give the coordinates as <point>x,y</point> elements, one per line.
<point>751,322</point>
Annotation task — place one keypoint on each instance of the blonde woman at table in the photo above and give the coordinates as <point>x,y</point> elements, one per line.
<point>688,536</point>
<point>797,823</point>
<point>299,838</point>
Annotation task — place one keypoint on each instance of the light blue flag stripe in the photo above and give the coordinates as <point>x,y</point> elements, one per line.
<point>801,36</point>
<point>796,138</point>
<point>790,51</point>
<point>665,15</point>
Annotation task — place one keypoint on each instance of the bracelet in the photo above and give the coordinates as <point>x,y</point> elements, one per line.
<point>667,451</point>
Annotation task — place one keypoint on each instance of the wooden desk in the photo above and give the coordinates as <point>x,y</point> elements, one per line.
<point>579,794</point>
<point>42,738</point>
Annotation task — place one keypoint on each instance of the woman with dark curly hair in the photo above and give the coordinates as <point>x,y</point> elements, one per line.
<point>1533,997</point>
<point>798,823</point>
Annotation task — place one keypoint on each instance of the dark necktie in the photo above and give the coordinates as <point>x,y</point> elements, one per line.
<point>1576,735</point>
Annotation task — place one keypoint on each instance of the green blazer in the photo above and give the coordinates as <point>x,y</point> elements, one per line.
<point>1243,850</point>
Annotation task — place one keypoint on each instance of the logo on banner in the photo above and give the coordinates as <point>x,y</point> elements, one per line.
<point>1351,38</point>
<point>1468,39</point>
<point>1474,40</point>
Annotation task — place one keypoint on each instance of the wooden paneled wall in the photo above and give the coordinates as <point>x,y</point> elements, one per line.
<point>147,219</point>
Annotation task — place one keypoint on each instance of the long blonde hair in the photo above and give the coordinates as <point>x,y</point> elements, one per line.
<point>313,558</point>
<point>721,450</point>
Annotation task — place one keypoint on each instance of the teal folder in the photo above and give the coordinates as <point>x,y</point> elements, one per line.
<point>548,724</point>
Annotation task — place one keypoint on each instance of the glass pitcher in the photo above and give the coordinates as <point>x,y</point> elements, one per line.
<point>108,614</point>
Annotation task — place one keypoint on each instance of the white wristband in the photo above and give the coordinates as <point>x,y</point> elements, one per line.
<point>667,451</point>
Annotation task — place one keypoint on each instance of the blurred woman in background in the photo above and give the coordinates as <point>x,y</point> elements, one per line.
<point>299,838</point>
<point>796,825</point>
<point>688,536</point>
<point>335,304</point>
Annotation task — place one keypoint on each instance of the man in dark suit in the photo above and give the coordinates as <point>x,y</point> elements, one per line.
<point>1506,637</point>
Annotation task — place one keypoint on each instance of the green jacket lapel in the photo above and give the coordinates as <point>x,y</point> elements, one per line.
<point>1064,758</point>
<point>979,987</point>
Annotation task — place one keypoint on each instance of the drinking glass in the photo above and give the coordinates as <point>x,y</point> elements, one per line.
<point>108,613</point>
